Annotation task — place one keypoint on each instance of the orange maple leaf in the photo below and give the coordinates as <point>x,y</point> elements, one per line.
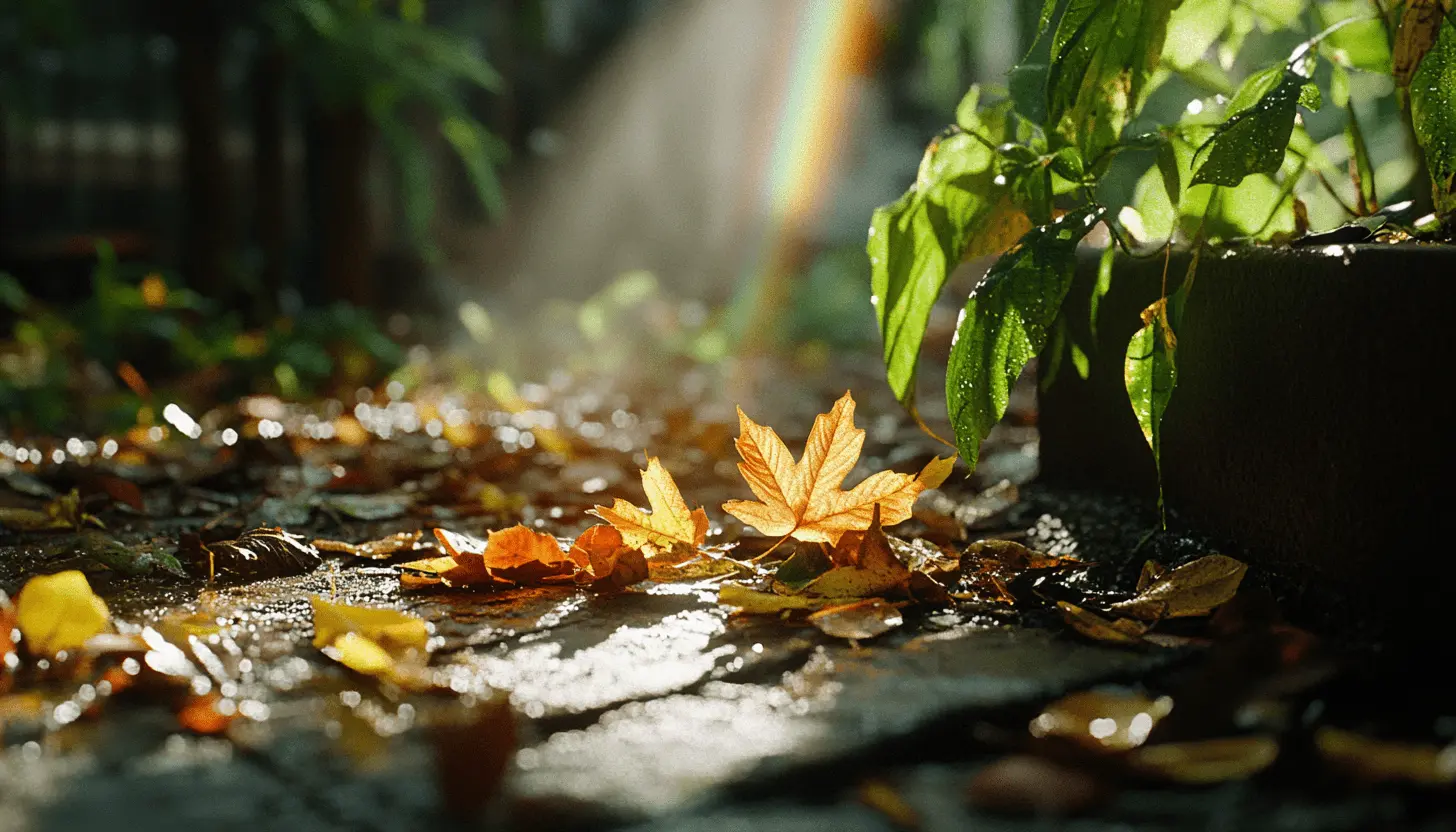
<point>804,499</point>
<point>521,556</point>
<point>670,525</point>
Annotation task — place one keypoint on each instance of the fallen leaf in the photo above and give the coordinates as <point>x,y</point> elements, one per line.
<point>1026,785</point>
<point>698,569</point>
<point>472,755</point>
<point>862,619</point>
<point>1010,555</point>
<point>872,567</point>
<point>804,499</point>
<point>601,555</point>
<point>1205,761</point>
<point>1097,628</point>
<point>518,554</point>
<point>1101,720</point>
<point>1370,760</point>
<point>56,613</point>
<point>390,629</point>
<point>135,559</point>
<point>253,556</point>
<point>887,800</point>
<point>1194,588</point>
<point>669,527</point>
<point>1152,570</point>
<point>755,601</point>
<point>201,714</point>
<point>380,549</point>
<point>64,512</point>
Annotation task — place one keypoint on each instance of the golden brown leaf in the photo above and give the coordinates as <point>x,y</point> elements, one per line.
<point>1420,26</point>
<point>1097,628</point>
<point>374,549</point>
<point>873,568</point>
<point>601,554</point>
<point>1152,570</point>
<point>1204,762</point>
<point>56,613</point>
<point>519,555</point>
<point>1194,588</point>
<point>670,525</point>
<point>865,618</point>
<point>1370,760</point>
<point>1102,720</point>
<point>804,498</point>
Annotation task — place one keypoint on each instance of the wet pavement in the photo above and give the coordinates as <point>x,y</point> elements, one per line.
<point>653,708</point>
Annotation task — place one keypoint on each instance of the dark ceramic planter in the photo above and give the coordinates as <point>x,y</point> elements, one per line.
<point>1310,424</point>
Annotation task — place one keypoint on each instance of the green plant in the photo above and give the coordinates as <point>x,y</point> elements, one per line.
<point>1124,114</point>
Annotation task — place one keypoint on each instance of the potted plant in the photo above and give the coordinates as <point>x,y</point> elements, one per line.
<point>1272,329</point>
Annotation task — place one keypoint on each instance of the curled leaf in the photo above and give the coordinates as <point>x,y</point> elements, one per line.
<point>867,618</point>
<point>253,556</point>
<point>1097,628</point>
<point>380,549</point>
<point>56,613</point>
<point>1194,588</point>
<point>601,554</point>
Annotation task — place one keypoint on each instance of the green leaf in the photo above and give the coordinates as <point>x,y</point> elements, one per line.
<point>1006,322</point>
<point>1103,54</point>
<point>1310,98</point>
<point>1194,27</point>
<point>1067,163</point>
<point>1100,288</point>
<point>1168,168</point>
<point>1252,140</point>
<point>1363,44</point>
<point>12,294</point>
<point>1150,368</point>
<point>1433,112</point>
<point>916,241</point>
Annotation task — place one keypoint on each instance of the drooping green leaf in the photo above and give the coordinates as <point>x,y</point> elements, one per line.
<point>1252,140</point>
<point>1103,55</point>
<point>1433,112</point>
<point>1006,321</point>
<point>916,241</point>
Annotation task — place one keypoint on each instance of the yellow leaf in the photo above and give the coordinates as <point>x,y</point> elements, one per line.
<point>1102,720</point>
<point>387,628</point>
<point>804,498</point>
<point>669,526</point>
<point>59,612</point>
<point>1194,588</point>
<point>1204,762</point>
<point>361,655</point>
<point>756,601</point>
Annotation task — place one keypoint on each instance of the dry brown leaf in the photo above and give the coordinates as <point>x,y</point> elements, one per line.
<point>381,549</point>
<point>1195,588</point>
<point>1370,760</point>
<point>861,619</point>
<point>1102,720</point>
<point>804,499</point>
<point>1420,26</point>
<point>1097,628</point>
<point>873,568</point>
<point>1010,555</point>
<point>670,526</point>
<point>1205,761</point>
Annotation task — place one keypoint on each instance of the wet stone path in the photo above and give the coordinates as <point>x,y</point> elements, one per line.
<point>653,708</point>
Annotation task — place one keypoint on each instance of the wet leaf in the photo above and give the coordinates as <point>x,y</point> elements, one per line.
<point>601,554</point>
<point>201,714</point>
<point>385,547</point>
<point>756,601</point>
<point>1102,720</point>
<point>63,512</point>
<point>1433,113</point>
<point>253,556</point>
<point>1004,324</point>
<point>1253,139</point>
<point>472,755</point>
<point>1152,570</point>
<point>859,620</point>
<point>871,567</point>
<point>1194,588</point>
<point>1097,628</point>
<point>388,628</point>
<point>138,559</point>
<point>1204,762</point>
<point>57,613</point>
<point>518,554</point>
<point>670,526</point>
<point>804,499</point>
<point>1026,785</point>
<point>1420,27</point>
<point>802,567</point>
<point>1371,760</point>
<point>699,569</point>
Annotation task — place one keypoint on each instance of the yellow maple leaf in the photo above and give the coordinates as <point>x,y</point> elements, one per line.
<point>669,526</point>
<point>804,499</point>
